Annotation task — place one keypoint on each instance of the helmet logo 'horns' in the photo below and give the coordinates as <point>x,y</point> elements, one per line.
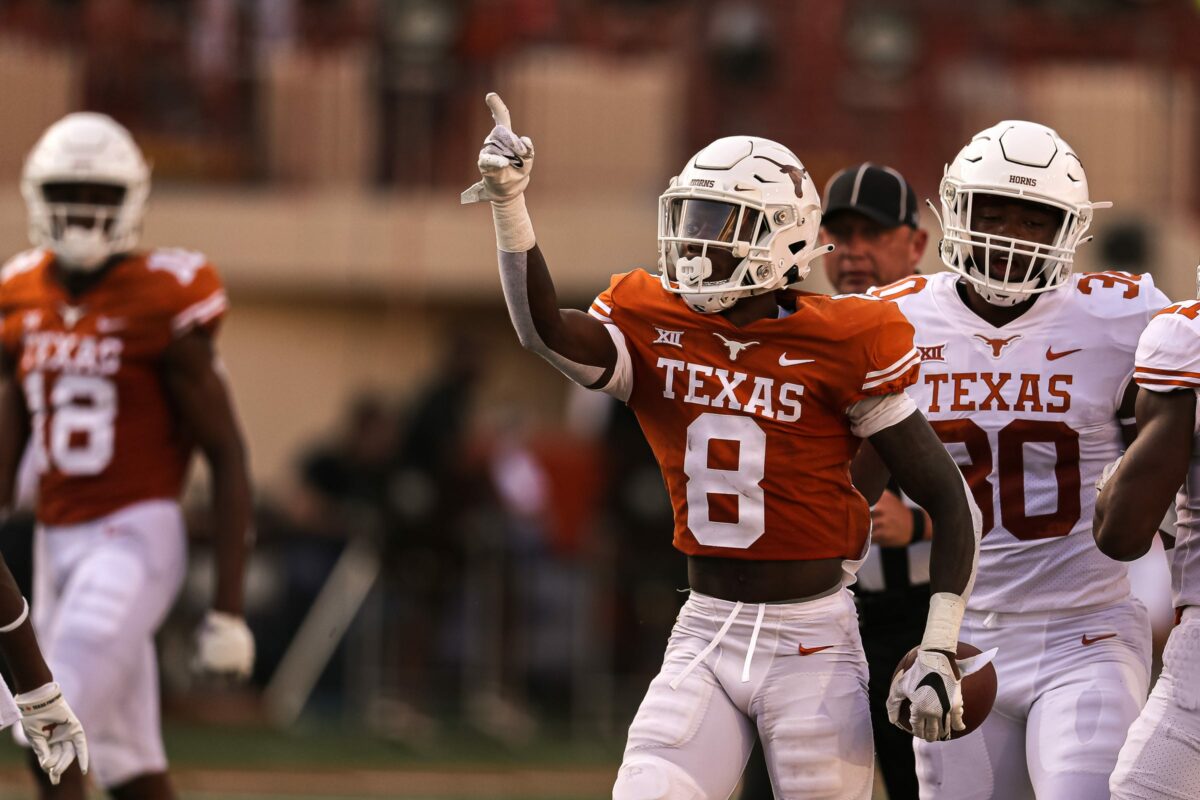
<point>795,173</point>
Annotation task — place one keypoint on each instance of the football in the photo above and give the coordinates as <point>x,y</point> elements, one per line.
<point>978,690</point>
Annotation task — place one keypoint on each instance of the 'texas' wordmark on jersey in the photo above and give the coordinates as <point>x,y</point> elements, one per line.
<point>55,351</point>
<point>713,387</point>
<point>1034,392</point>
<point>1029,413</point>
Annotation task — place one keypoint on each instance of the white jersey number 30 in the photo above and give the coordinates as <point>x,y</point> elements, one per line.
<point>81,414</point>
<point>1010,470</point>
<point>742,482</point>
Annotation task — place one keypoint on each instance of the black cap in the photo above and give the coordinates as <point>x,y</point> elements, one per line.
<point>877,192</point>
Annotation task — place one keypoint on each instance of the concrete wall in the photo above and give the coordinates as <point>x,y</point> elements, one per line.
<point>340,292</point>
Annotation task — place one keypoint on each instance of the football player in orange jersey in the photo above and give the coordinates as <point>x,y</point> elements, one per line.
<point>109,373</point>
<point>754,417</point>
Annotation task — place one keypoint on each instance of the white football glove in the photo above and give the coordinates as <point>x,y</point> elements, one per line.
<point>53,730</point>
<point>505,160</point>
<point>933,686</point>
<point>224,645</point>
<point>1106,474</point>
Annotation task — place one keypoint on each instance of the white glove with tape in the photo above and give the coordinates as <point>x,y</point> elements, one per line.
<point>224,645</point>
<point>505,162</point>
<point>933,685</point>
<point>53,730</point>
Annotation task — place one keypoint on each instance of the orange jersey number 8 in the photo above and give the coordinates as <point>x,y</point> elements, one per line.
<point>741,484</point>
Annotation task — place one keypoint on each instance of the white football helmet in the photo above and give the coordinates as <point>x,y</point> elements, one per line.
<point>1026,161</point>
<point>85,148</point>
<point>746,195</point>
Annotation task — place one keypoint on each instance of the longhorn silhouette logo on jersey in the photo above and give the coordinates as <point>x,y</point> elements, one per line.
<point>735,348</point>
<point>997,345</point>
<point>71,314</point>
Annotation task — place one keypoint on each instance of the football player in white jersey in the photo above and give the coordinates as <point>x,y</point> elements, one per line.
<point>1161,757</point>
<point>1026,377</point>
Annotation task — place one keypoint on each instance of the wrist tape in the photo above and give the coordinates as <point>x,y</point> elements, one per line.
<point>514,229</point>
<point>944,620</point>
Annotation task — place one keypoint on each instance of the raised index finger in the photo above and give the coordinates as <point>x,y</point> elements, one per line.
<point>499,110</point>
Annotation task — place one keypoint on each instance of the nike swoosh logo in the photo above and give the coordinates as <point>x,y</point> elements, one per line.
<point>784,361</point>
<point>1086,641</point>
<point>808,651</point>
<point>1053,356</point>
<point>109,325</point>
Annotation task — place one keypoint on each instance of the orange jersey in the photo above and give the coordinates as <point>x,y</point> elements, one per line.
<point>103,432</point>
<point>749,425</point>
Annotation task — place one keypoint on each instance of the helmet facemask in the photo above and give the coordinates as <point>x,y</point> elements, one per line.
<point>1006,270</point>
<point>701,237</point>
<point>81,222</point>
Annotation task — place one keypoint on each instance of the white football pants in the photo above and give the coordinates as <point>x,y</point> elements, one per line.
<point>1070,685</point>
<point>794,670</point>
<point>100,591</point>
<point>1161,757</point>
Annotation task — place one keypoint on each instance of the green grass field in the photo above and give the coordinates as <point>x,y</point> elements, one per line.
<point>323,763</point>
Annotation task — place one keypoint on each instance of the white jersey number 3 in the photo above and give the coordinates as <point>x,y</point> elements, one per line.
<point>80,414</point>
<point>741,482</point>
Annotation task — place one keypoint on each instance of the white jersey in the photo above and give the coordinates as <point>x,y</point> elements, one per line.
<point>1029,413</point>
<point>1168,359</point>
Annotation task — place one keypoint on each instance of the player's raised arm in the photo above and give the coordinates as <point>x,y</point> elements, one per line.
<point>573,342</point>
<point>919,461</point>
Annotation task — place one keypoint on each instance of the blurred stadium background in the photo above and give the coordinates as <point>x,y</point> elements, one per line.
<point>464,578</point>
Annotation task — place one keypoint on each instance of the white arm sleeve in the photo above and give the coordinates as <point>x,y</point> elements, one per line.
<point>872,414</point>
<point>620,385</point>
<point>514,279</point>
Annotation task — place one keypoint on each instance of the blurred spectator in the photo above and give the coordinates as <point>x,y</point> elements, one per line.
<point>740,44</point>
<point>436,501</point>
<point>418,73</point>
<point>340,483</point>
<point>355,468</point>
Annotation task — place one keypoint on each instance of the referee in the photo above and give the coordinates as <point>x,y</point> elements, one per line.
<point>871,217</point>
